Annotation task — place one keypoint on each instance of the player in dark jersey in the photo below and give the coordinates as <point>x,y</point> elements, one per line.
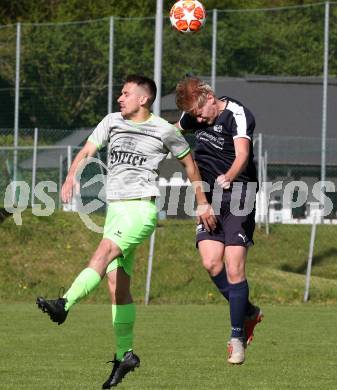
<point>224,128</point>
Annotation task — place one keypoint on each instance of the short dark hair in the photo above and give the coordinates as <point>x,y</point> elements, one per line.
<point>146,83</point>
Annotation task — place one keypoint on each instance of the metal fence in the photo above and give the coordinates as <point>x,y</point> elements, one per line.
<point>279,158</point>
<point>68,75</point>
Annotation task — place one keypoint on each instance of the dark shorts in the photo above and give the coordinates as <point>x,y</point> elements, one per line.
<point>235,225</point>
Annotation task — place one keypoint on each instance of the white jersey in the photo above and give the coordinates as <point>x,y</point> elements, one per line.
<point>134,153</point>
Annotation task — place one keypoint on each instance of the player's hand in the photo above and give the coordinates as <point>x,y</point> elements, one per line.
<point>205,215</point>
<point>68,187</point>
<point>223,181</point>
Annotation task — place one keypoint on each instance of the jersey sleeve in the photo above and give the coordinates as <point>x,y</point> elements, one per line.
<point>175,142</point>
<point>243,122</point>
<point>100,135</point>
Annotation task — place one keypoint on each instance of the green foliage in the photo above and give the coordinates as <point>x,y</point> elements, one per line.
<point>36,11</point>
<point>64,67</point>
<point>66,73</point>
<point>273,43</point>
<point>8,140</point>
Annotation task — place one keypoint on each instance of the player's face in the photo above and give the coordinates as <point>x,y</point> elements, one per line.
<point>131,100</point>
<point>207,113</point>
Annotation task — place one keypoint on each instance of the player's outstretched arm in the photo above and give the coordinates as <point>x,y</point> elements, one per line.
<point>88,150</point>
<point>205,213</point>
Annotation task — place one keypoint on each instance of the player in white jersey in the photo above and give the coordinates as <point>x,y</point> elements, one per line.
<point>137,142</point>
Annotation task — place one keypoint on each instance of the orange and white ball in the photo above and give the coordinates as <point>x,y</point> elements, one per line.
<point>188,16</point>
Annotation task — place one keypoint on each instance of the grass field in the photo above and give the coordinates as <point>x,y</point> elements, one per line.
<point>46,253</point>
<point>181,344</point>
<point>181,347</point>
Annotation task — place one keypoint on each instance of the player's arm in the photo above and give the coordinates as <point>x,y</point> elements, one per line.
<point>205,213</point>
<point>242,149</point>
<point>88,150</point>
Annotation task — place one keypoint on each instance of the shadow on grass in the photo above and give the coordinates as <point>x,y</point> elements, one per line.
<point>302,268</point>
<point>4,214</point>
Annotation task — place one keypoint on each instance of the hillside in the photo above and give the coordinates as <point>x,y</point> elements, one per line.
<point>46,253</point>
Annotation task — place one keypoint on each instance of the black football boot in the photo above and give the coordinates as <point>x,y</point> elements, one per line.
<point>121,368</point>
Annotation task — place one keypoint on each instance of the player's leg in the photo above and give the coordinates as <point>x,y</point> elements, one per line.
<point>235,257</point>
<point>212,248</point>
<point>123,319</point>
<point>244,315</point>
<point>212,254</point>
<point>239,229</point>
<point>91,276</point>
<point>123,308</point>
<point>138,225</point>
<point>84,283</point>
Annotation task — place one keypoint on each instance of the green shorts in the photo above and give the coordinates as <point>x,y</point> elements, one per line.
<point>128,223</point>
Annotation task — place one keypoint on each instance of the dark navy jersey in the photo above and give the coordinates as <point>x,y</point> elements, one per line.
<point>214,151</point>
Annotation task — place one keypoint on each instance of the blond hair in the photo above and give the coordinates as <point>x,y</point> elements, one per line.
<point>191,93</point>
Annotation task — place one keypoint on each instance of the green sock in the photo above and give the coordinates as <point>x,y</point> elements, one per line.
<point>85,282</point>
<point>123,319</point>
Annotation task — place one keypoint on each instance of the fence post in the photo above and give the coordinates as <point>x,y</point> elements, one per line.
<point>325,96</point>
<point>149,268</point>
<point>158,53</point>
<point>265,179</point>
<point>36,134</point>
<point>260,158</point>
<point>111,52</point>
<point>60,179</point>
<point>214,38</point>
<point>311,252</point>
<point>16,106</point>
<point>68,157</point>
<point>156,109</point>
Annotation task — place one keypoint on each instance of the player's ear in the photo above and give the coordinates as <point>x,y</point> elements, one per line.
<point>210,98</point>
<point>143,100</point>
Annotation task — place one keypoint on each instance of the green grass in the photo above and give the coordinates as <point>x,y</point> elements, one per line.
<point>181,347</point>
<point>46,253</point>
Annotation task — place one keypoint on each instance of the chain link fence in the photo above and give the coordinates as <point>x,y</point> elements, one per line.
<point>284,159</point>
<point>65,70</point>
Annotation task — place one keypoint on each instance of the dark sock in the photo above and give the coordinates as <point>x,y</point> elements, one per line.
<point>250,309</point>
<point>238,299</point>
<point>221,283</point>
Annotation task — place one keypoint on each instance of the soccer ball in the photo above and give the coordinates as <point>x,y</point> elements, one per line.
<point>187,16</point>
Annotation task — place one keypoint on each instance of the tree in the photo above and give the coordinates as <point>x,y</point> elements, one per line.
<point>64,66</point>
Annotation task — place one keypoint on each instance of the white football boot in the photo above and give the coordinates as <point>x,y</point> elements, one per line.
<point>236,350</point>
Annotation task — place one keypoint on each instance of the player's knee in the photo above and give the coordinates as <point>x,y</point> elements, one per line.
<point>235,274</point>
<point>212,265</point>
<point>106,247</point>
<point>108,250</point>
